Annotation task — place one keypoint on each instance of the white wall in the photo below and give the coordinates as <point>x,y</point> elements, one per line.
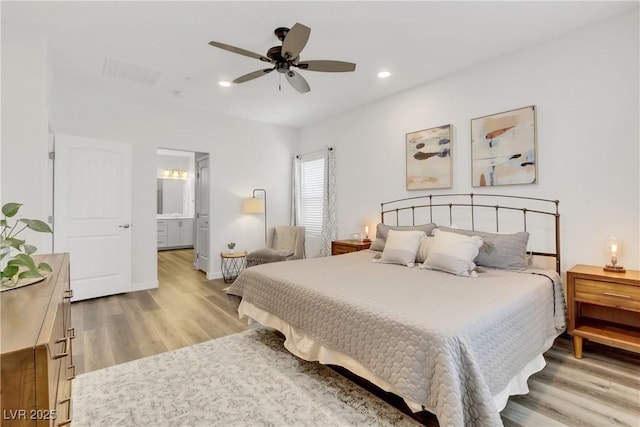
<point>585,88</point>
<point>243,155</point>
<point>24,127</point>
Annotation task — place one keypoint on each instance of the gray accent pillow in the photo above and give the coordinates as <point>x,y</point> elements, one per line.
<point>382,230</point>
<point>505,251</point>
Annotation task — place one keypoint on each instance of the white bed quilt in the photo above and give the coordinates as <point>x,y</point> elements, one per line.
<point>446,342</point>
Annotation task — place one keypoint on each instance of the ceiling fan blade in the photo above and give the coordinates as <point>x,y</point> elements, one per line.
<point>295,41</point>
<point>327,66</point>
<point>253,75</point>
<point>297,81</point>
<point>240,51</point>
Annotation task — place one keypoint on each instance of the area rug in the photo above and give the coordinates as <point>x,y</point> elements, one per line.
<point>246,379</point>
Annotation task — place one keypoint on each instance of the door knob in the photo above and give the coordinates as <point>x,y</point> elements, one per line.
<point>124,226</point>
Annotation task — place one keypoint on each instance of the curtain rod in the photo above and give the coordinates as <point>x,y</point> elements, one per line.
<point>313,152</point>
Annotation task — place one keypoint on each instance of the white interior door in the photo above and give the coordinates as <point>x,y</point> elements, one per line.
<point>202,213</point>
<point>92,214</point>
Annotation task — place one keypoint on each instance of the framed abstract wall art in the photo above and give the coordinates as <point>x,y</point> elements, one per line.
<point>503,148</point>
<point>429,158</point>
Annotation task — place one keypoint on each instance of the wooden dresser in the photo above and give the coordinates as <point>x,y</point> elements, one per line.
<point>603,307</point>
<point>345,246</point>
<point>36,360</point>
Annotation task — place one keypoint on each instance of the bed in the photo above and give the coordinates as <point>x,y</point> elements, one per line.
<point>455,345</point>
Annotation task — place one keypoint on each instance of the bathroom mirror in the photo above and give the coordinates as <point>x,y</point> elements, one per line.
<point>172,196</point>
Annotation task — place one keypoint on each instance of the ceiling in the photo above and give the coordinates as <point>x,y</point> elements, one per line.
<point>417,42</point>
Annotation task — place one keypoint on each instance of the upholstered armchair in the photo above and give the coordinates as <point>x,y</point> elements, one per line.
<point>284,243</point>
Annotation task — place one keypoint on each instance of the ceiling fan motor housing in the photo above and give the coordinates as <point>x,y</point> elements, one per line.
<point>282,65</point>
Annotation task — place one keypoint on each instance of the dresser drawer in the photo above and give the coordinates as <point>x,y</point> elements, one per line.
<point>608,294</point>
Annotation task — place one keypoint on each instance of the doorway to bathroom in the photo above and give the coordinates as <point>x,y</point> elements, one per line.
<point>182,190</point>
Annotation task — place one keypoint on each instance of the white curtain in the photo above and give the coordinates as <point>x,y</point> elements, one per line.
<point>313,203</point>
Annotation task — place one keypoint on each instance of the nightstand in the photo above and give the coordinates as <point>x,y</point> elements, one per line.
<point>345,246</point>
<point>603,307</point>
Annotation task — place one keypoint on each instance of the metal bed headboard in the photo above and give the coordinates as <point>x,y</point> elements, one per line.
<point>476,202</point>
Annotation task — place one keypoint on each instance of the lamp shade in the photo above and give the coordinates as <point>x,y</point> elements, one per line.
<point>253,205</point>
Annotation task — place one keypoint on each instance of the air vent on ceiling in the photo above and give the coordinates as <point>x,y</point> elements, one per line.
<point>121,70</point>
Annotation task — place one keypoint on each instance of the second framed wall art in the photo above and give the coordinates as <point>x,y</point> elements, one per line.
<point>503,148</point>
<point>429,158</point>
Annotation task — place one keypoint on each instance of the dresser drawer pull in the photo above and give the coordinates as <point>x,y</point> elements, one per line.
<point>611,294</point>
<point>68,420</point>
<point>67,345</point>
<point>73,376</point>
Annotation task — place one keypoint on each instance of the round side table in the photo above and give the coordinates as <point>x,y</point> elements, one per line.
<point>232,264</point>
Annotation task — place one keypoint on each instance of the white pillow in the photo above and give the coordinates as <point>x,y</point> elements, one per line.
<point>401,247</point>
<point>423,249</point>
<point>453,253</point>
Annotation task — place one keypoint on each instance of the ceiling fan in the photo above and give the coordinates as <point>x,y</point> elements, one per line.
<point>286,57</point>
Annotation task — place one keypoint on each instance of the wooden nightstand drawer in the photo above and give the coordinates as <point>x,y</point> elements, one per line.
<point>607,294</point>
<point>339,247</point>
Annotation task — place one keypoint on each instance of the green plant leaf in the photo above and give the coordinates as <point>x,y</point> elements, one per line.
<point>10,209</point>
<point>9,271</point>
<point>23,260</point>
<point>28,274</point>
<point>3,223</point>
<point>45,267</point>
<point>36,225</point>
<point>4,254</point>
<point>29,249</point>
<point>13,242</point>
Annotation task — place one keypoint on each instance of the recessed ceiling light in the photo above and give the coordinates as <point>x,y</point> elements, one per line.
<point>224,84</point>
<point>384,74</point>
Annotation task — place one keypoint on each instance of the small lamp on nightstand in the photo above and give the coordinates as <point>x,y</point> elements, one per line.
<point>366,234</point>
<point>613,247</point>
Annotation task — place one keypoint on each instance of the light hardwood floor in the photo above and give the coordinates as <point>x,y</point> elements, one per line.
<point>186,309</point>
<point>600,390</point>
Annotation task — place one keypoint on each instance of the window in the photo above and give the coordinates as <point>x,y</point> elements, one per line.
<point>311,195</point>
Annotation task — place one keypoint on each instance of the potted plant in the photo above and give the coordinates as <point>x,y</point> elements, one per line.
<point>231,246</point>
<point>16,264</point>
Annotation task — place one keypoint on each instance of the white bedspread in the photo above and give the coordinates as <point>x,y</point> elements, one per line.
<point>442,341</point>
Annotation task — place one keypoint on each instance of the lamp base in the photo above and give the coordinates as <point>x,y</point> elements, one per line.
<point>614,268</point>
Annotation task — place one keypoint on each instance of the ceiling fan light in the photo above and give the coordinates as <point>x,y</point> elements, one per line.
<point>224,83</point>
<point>384,74</point>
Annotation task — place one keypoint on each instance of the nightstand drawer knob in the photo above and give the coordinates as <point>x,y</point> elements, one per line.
<point>611,294</point>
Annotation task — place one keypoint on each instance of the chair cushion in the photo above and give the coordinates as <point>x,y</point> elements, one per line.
<point>284,240</point>
<point>266,255</point>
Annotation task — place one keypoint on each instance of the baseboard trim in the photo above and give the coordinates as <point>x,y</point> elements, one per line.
<point>143,286</point>
<point>214,275</point>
